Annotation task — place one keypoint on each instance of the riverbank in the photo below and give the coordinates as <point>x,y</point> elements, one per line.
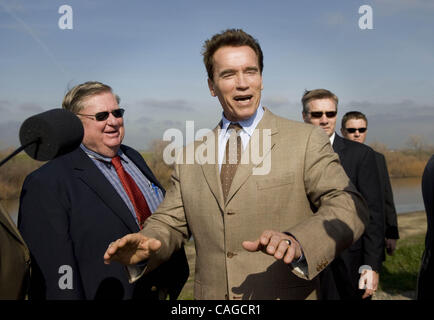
<point>412,229</point>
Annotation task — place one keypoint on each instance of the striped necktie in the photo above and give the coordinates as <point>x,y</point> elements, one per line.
<point>232,158</point>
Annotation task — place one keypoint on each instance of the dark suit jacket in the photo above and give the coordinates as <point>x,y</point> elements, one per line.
<point>14,260</point>
<point>391,221</point>
<point>69,213</point>
<point>426,273</point>
<point>358,161</point>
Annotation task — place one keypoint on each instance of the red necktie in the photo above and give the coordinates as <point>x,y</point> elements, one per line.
<point>133,192</point>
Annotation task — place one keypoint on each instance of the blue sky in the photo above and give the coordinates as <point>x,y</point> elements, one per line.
<point>150,53</point>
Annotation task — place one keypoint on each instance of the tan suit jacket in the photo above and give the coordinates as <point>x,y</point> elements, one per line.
<point>306,193</point>
<point>14,260</point>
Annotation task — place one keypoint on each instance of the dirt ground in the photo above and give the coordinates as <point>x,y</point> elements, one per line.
<point>409,224</point>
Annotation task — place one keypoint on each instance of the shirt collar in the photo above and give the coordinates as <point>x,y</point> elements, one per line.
<point>248,125</point>
<point>96,155</point>
<point>332,138</point>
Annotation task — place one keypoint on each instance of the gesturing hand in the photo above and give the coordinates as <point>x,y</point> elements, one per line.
<point>131,249</point>
<point>275,244</point>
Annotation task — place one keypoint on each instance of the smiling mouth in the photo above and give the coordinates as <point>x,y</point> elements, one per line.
<point>243,98</point>
<point>111,132</point>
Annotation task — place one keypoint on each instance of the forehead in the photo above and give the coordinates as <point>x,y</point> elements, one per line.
<point>355,123</point>
<point>322,105</point>
<point>100,101</point>
<point>235,57</point>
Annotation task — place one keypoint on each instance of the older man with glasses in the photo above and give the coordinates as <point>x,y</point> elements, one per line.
<point>74,205</point>
<point>355,273</point>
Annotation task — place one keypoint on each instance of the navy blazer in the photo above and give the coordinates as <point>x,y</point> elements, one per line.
<point>69,213</point>
<point>340,279</point>
<point>391,220</point>
<point>358,161</point>
<point>426,272</point>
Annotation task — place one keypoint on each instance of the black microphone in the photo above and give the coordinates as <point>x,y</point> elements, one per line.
<point>49,134</point>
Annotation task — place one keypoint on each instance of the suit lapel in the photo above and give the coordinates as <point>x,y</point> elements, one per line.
<point>141,164</point>
<point>266,129</point>
<point>85,170</point>
<point>211,170</point>
<point>338,145</point>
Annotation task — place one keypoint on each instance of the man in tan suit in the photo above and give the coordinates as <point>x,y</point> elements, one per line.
<point>291,199</point>
<point>14,260</point>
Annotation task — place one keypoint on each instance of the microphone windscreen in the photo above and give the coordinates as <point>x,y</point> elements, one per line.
<point>57,131</point>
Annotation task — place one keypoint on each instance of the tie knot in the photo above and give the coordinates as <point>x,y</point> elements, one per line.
<point>234,126</point>
<point>116,161</point>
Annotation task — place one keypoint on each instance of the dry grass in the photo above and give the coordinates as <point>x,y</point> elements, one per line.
<point>13,173</point>
<point>404,163</point>
<point>154,159</point>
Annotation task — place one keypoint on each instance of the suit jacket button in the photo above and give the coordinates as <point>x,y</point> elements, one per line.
<point>230,254</point>
<point>230,213</point>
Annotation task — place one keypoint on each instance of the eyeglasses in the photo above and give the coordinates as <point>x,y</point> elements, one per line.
<point>318,114</point>
<point>101,116</point>
<point>352,130</point>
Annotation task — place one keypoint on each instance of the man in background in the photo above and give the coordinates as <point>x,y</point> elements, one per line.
<point>357,267</point>
<point>73,205</point>
<point>354,127</point>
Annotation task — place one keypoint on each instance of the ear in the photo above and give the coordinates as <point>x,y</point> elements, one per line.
<point>304,115</point>
<point>343,132</point>
<point>211,87</point>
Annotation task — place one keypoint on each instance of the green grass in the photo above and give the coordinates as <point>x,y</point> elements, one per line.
<point>399,273</point>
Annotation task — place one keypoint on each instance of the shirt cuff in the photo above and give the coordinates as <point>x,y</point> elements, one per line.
<point>300,265</point>
<point>136,271</point>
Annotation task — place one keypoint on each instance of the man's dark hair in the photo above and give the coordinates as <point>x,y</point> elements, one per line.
<point>229,38</point>
<point>317,94</point>
<point>353,115</point>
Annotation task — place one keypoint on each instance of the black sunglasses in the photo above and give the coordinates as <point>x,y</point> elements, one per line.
<point>352,130</point>
<point>318,114</point>
<point>101,116</point>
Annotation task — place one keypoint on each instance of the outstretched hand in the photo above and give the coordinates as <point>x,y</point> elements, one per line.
<point>275,244</point>
<point>131,249</point>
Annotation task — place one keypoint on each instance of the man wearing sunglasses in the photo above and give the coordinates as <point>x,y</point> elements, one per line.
<point>357,267</point>
<point>354,127</point>
<point>74,205</point>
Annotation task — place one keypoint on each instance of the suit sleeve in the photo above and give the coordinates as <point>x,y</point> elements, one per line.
<point>168,224</point>
<point>368,184</point>
<point>341,212</point>
<point>44,224</point>
<point>391,221</point>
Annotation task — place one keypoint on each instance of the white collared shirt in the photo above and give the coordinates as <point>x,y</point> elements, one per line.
<point>332,138</point>
<point>248,127</point>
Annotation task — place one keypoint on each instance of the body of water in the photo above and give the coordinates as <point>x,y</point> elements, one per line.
<point>407,195</point>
